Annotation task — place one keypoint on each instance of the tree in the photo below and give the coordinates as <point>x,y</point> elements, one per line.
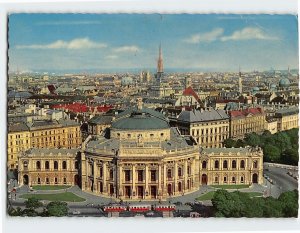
<point>290,156</point>
<point>240,143</point>
<point>33,203</point>
<point>57,208</point>
<point>229,143</point>
<point>271,153</point>
<point>289,203</point>
<point>253,139</point>
<point>272,208</point>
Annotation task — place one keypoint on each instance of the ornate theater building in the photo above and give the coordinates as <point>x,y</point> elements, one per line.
<point>141,157</point>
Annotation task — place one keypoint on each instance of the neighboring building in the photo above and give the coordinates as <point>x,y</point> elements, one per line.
<point>41,134</point>
<point>189,98</point>
<point>287,118</point>
<point>271,125</point>
<point>231,166</point>
<point>244,121</point>
<point>208,127</point>
<point>49,167</point>
<point>98,124</point>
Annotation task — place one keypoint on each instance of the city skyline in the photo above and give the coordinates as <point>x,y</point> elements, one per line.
<point>83,42</point>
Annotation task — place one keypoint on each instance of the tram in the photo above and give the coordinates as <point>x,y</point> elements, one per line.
<point>114,208</point>
<point>139,208</point>
<point>164,208</point>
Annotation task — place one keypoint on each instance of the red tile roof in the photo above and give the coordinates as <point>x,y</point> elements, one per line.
<point>190,92</point>
<point>245,112</point>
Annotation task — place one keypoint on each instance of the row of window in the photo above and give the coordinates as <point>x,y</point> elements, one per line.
<point>47,180</point>
<point>55,165</point>
<point>225,164</point>
<point>196,132</point>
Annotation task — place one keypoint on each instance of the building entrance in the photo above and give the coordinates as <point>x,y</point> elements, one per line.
<point>204,179</point>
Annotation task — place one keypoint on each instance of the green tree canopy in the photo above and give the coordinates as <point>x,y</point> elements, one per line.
<point>57,208</point>
<point>33,203</point>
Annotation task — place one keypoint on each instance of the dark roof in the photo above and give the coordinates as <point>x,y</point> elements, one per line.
<point>287,112</point>
<point>101,120</point>
<point>18,127</point>
<point>140,119</point>
<point>201,116</point>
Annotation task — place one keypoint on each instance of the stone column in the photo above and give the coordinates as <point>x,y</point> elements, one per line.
<point>165,179</point>
<point>133,180</point>
<point>146,180</point>
<point>104,178</point>
<point>159,178</point>
<point>193,173</point>
<point>175,176</point>
<point>95,187</point>
<point>185,174</point>
<point>120,181</point>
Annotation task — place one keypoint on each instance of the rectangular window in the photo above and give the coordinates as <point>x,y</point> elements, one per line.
<point>153,175</point>
<point>127,175</point>
<point>140,175</point>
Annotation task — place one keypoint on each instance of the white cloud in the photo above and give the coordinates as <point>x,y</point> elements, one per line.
<point>55,23</point>
<point>124,49</point>
<point>79,43</point>
<point>112,57</point>
<point>205,37</point>
<point>249,33</point>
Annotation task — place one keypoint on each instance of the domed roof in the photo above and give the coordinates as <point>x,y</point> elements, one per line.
<point>140,119</point>
<point>255,88</point>
<point>284,82</point>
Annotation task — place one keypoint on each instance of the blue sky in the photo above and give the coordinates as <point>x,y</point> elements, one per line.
<point>126,41</point>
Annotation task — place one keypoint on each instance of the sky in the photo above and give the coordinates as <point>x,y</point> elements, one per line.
<point>212,42</point>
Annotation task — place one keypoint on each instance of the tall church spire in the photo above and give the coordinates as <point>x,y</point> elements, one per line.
<point>240,81</point>
<point>160,66</point>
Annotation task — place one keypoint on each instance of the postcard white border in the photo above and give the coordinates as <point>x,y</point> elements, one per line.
<point>92,225</point>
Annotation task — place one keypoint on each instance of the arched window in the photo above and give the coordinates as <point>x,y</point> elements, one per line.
<point>179,187</point>
<point>169,173</point>
<point>55,165</point>
<point>179,171</point>
<point>25,165</point>
<point>243,164</point>
<point>234,164</point>
<point>39,180</point>
<point>47,165</point>
<point>64,165</point>
<point>38,165</point>
<point>55,180</point>
<point>233,179</point>
<point>47,180</point>
<point>217,164</point>
<point>204,165</point>
<point>189,170</point>
<point>242,179</point>
<point>255,164</point>
<point>216,179</point>
<point>225,164</point>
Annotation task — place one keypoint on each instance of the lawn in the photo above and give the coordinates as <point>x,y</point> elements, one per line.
<point>210,195</point>
<point>231,186</point>
<point>66,196</point>
<point>206,196</point>
<point>50,187</point>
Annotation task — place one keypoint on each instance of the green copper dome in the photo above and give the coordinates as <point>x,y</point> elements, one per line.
<point>140,119</point>
<point>284,82</point>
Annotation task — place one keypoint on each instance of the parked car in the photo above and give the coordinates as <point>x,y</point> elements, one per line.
<point>76,212</point>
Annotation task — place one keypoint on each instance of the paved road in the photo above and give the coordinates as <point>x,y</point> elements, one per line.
<point>283,182</point>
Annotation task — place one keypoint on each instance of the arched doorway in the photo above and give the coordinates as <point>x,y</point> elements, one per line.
<point>76,180</point>
<point>179,187</point>
<point>25,180</point>
<point>254,178</point>
<point>204,179</point>
<point>170,189</point>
